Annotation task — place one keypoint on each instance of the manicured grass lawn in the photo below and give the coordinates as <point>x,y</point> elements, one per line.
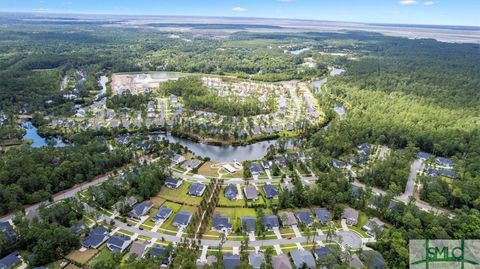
<point>157,201</point>
<point>82,257</point>
<point>235,214</point>
<point>223,201</point>
<point>358,230</point>
<point>125,232</point>
<point>179,195</point>
<point>103,255</point>
<point>144,237</point>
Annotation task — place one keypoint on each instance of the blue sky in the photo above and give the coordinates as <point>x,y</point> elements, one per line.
<point>446,12</point>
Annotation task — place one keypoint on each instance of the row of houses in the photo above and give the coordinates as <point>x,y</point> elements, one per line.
<point>251,192</point>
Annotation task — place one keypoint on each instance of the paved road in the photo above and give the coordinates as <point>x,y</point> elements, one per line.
<point>416,166</point>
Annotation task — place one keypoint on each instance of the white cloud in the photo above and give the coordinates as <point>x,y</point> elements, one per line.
<point>408,2</point>
<point>429,3</point>
<point>239,9</point>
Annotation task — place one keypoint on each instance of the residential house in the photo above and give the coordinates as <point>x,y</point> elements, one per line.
<point>256,259</point>
<point>173,183</point>
<point>191,164</point>
<point>251,193</point>
<point>231,261</point>
<point>9,234</point>
<point>432,172</point>
<point>373,259</point>
<point>322,254</point>
<point>182,219</point>
<point>231,192</point>
<point>138,249</point>
<point>423,156</point>
<point>118,244</point>
<point>256,169</point>
<point>221,224</point>
<point>444,162</point>
<point>288,218</point>
<point>281,262</point>
<point>374,225</point>
<point>10,261</point>
<point>128,202</point>
<point>248,223</point>
<point>303,259</point>
<point>355,262</point>
<point>161,252</point>
<point>323,215</point>
<point>177,159</point>
<point>196,189</point>
<point>139,210</point>
<point>78,228</point>
<point>305,217</point>
<point>339,164</point>
<point>350,215</point>
<point>266,164</point>
<point>163,214</point>
<point>270,222</point>
<point>270,191</point>
<point>96,238</point>
<point>281,161</point>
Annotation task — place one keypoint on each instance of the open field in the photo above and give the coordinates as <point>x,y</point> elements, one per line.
<point>179,195</point>
<point>82,257</point>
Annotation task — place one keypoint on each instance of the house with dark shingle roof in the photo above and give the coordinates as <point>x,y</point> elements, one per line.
<point>221,223</point>
<point>256,169</point>
<point>196,189</point>
<point>303,259</point>
<point>423,156</point>
<point>270,222</point>
<point>248,223</point>
<point>231,261</point>
<point>281,161</point>
<point>323,215</point>
<point>231,192</point>
<point>339,164</point>
<point>163,214</point>
<point>350,215</point>
<point>78,228</point>
<point>281,262</point>
<point>161,252</point>
<point>118,244</point>
<point>444,162</point>
<point>373,225</point>
<point>96,238</point>
<point>140,209</point>
<point>322,253</point>
<point>270,191</point>
<point>251,193</point>
<point>9,234</point>
<point>305,217</point>
<point>173,183</point>
<point>182,219</point>
<point>10,261</point>
<point>256,259</point>
<point>373,259</point>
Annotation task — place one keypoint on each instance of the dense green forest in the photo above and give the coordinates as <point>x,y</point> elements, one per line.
<point>199,97</point>
<point>32,175</point>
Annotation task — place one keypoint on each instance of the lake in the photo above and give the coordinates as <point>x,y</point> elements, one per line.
<point>37,140</point>
<point>226,153</point>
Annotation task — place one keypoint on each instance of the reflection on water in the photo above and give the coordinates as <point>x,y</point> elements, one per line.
<point>37,140</point>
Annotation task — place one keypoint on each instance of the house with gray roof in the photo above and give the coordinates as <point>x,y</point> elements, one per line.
<point>163,214</point>
<point>161,252</point>
<point>373,259</point>
<point>256,169</point>
<point>281,262</point>
<point>256,259</point>
<point>444,162</point>
<point>305,217</point>
<point>287,218</point>
<point>270,222</point>
<point>270,191</point>
<point>231,192</point>
<point>355,262</point>
<point>231,261</point>
<point>138,249</point>
<point>350,215</point>
<point>191,164</point>
<point>182,219</point>
<point>196,189</point>
<point>248,223</point>
<point>140,209</point>
<point>303,259</point>
<point>423,156</point>
<point>323,215</point>
<point>373,225</point>
<point>9,234</point>
<point>118,244</point>
<point>339,164</point>
<point>96,238</point>
<point>251,193</point>
<point>221,223</point>
<point>173,183</point>
<point>10,261</point>
<point>322,254</point>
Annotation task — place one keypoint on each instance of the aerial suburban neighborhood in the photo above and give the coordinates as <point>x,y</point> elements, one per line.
<point>209,134</point>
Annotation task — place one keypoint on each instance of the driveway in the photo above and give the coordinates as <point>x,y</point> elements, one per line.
<point>416,166</point>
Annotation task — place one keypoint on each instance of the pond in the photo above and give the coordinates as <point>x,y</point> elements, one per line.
<point>227,153</point>
<point>38,141</point>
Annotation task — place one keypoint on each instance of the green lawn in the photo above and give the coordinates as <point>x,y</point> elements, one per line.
<point>179,195</point>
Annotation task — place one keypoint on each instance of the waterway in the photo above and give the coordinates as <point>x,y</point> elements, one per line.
<point>37,140</point>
